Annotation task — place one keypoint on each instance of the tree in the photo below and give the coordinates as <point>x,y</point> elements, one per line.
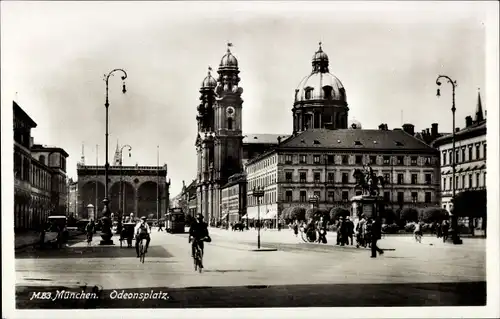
<point>316,214</point>
<point>338,212</point>
<point>389,215</point>
<point>434,214</point>
<point>297,213</point>
<point>409,214</point>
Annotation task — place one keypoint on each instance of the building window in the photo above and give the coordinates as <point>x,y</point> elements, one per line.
<point>414,197</point>
<point>288,159</point>
<point>373,159</point>
<point>463,154</point>
<point>317,195</point>
<point>288,176</point>
<point>345,178</point>
<point>444,158</point>
<point>302,196</point>
<point>477,179</point>
<point>428,161</point>
<point>400,179</point>
<point>387,160</point>
<point>470,153</point>
<point>457,156</point>
<point>478,155</point>
<point>463,181</point>
<point>444,183</point>
<point>456,182</point>
<point>303,159</point>
<point>288,196</point>
<point>450,183</point>
<point>230,123</point>
<point>428,197</point>
<point>428,179</point>
<point>317,177</point>
<point>414,179</point>
<point>484,179</point>
<point>345,159</point>
<point>345,195</point>
<point>414,160</point>
<point>387,196</point>
<point>484,151</point>
<point>401,197</point>
<point>400,160</point>
<point>316,159</point>
<point>302,177</point>
<point>470,181</point>
<point>42,159</point>
<point>359,159</point>
<point>331,197</point>
<point>331,177</point>
<point>328,92</point>
<point>331,159</point>
<point>387,178</point>
<point>308,93</point>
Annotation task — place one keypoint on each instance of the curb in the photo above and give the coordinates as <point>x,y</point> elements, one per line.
<point>38,241</point>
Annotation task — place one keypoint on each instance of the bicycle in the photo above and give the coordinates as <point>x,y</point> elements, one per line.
<point>198,254</point>
<point>142,250</point>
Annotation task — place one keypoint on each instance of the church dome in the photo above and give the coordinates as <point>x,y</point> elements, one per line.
<point>320,84</point>
<point>209,81</point>
<point>228,60</point>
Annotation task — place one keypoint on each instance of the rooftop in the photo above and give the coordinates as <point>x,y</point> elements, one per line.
<point>479,128</point>
<point>46,148</point>
<point>347,139</point>
<point>19,112</point>
<point>263,138</point>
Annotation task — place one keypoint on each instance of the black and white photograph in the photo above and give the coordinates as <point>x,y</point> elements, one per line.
<point>249,159</point>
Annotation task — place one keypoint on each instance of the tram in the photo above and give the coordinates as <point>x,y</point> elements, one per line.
<point>175,221</point>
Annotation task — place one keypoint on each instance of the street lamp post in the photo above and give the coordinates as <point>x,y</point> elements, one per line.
<point>258,193</point>
<point>121,205</point>
<point>106,233</point>
<point>454,219</point>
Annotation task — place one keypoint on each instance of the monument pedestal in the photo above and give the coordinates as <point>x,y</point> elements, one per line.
<point>365,205</point>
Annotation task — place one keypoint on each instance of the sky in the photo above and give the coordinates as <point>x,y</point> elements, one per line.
<point>388,56</point>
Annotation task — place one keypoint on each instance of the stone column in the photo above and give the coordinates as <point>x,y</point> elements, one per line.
<point>136,203</point>
<point>210,212</point>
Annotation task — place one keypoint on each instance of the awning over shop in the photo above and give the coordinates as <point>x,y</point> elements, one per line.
<point>270,215</point>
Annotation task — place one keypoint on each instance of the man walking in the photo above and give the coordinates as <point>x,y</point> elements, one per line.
<point>376,235</point>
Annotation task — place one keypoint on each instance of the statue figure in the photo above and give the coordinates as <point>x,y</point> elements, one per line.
<point>368,181</point>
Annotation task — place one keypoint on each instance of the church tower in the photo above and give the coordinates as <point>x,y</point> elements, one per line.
<point>205,178</point>
<point>219,140</point>
<point>320,98</point>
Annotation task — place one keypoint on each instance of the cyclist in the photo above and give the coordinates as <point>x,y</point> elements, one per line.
<point>198,231</point>
<point>141,231</point>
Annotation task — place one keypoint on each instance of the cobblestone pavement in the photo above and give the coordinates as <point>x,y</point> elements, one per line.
<point>297,274</point>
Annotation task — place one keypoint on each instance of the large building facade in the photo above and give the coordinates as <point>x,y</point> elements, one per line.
<point>39,176</point>
<point>321,163</point>
<point>140,190</point>
<point>470,157</point>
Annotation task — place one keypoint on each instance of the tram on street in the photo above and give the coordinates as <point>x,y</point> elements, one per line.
<point>175,221</point>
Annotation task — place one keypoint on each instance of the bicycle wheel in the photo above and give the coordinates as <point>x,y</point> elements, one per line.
<point>143,252</point>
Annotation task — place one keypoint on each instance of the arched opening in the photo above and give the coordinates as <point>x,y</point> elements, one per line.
<point>230,123</point>
<point>342,94</point>
<point>123,203</point>
<point>308,94</point>
<point>327,90</point>
<point>147,197</point>
<point>41,159</point>
<point>92,193</point>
